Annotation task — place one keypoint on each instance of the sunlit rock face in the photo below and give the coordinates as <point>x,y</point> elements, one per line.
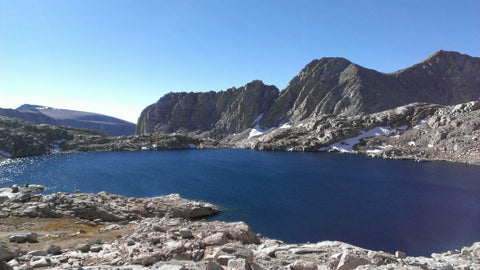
<point>224,112</point>
<point>331,85</point>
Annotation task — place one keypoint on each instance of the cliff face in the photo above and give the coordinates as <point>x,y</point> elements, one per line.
<point>327,86</point>
<point>230,111</point>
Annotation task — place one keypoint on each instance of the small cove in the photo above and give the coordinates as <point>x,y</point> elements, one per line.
<point>378,204</point>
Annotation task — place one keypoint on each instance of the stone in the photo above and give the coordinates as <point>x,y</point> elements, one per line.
<point>351,260</point>
<point>32,237</point>
<point>302,265</point>
<point>242,232</point>
<point>186,233</point>
<point>239,251</point>
<point>96,248</point>
<point>238,264</point>
<point>159,228</point>
<point>216,239</point>
<point>168,266</point>
<point>400,255</point>
<point>211,265</point>
<point>37,253</point>
<point>22,197</point>
<point>8,251</point>
<point>174,247</point>
<point>83,248</point>
<point>150,260</point>
<point>18,238</point>
<point>42,262</point>
<point>224,259</point>
<point>5,266</point>
<point>54,250</point>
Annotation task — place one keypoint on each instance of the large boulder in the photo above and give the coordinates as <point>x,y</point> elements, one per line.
<point>8,251</point>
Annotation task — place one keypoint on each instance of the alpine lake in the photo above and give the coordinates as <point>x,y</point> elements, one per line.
<point>415,207</point>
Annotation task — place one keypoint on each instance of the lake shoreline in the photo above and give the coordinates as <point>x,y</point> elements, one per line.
<point>113,239</point>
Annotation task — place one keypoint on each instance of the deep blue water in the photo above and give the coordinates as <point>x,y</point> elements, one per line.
<point>390,205</point>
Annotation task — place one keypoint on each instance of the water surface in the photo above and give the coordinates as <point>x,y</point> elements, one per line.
<point>378,204</point>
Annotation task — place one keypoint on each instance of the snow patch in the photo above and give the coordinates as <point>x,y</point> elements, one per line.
<point>421,122</point>
<point>256,131</point>
<point>284,125</point>
<point>144,148</point>
<point>374,151</point>
<point>322,149</point>
<point>411,143</point>
<point>192,145</point>
<point>55,146</point>
<point>342,149</point>
<point>289,149</point>
<point>5,154</point>
<point>346,146</point>
<point>430,145</point>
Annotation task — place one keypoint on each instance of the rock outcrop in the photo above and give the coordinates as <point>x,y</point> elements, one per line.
<point>21,202</point>
<point>452,133</point>
<point>22,139</point>
<point>417,131</point>
<point>167,241</point>
<point>337,86</point>
<point>225,112</point>
<point>326,86</point>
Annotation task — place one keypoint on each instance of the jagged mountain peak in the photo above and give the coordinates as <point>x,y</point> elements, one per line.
<point>444,55</point>
<point>328,65</point>
<point>330,85</point>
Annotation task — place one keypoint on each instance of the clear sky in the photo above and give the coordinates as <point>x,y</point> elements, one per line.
<point>118,56</point>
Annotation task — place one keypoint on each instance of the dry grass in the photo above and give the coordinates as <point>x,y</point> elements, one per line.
<point>63,232</point>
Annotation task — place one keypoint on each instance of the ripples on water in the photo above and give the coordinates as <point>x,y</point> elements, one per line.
<point>379,204</point>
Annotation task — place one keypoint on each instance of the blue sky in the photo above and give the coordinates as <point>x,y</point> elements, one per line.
<point>118,56</point>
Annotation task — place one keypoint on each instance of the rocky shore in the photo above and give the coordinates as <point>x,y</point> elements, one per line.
<point>106,231</point>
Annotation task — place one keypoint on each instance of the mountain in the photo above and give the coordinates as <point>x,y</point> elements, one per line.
<point>330,85</point>
<point>337,86</point>
<point>224,112</point>
<point>78,119</point>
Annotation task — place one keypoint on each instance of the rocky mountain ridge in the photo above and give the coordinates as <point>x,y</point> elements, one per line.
<point>217,113</point>
<point>330,85</point>
<point>417,131</point>
<point>77,119</point>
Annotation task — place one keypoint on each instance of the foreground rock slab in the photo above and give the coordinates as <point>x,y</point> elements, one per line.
<point>98,207</point>
<point>173,240</point>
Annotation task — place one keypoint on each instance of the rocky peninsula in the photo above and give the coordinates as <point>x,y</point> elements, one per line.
<point>106,231</point>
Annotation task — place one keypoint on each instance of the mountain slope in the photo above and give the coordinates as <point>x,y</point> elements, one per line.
<point>224,112</point>
<point>330,85</point>
<point>337,86</point>
<point>78,119</point>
